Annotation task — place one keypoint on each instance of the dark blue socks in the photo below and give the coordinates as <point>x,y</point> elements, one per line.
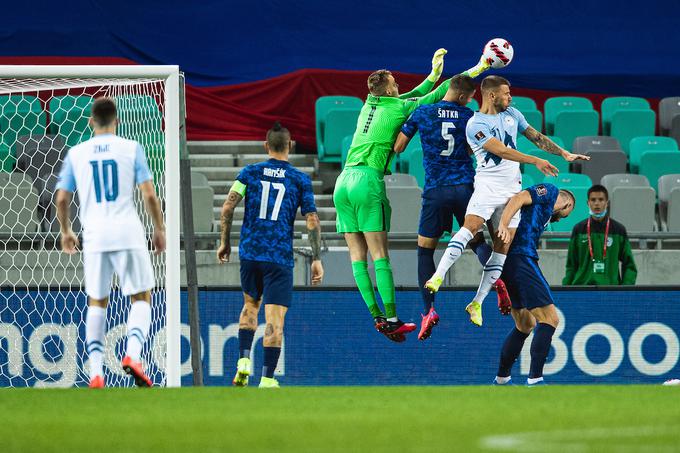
<point>540,347</point>
<point>245,342</point>
<point>483,252</point>
<point>425,270</point>
<point>511,350</point>
<point>271,358</point>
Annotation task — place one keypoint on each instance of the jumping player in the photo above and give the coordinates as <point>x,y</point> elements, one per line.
<point>105,170</point>
<point>363,210</point>
<point>274,190</point>
<point>492,135</point>
<point>532,305</point>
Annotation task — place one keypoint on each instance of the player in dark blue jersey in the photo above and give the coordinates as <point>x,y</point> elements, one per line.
<point>532,304</point>
<point>449,178</point>
<point>273,190</point>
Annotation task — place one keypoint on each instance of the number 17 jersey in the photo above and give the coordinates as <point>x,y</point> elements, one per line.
<point>274,190</point>
<point>105,170</point>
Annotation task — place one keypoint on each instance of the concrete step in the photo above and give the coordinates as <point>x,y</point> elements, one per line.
<point>324,213</point>
<point>300,225</point>
<point>222,186</point>
<point>241,160</point>
<point>322,201</point>
<point>230,173</point>
<point>228,147</point>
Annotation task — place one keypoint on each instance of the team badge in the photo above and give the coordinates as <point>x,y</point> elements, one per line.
<point>480,135</point>
<point>509,121</point>
<point>541,190</point>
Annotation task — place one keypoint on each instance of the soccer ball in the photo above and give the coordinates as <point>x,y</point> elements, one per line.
<point>498,53</point>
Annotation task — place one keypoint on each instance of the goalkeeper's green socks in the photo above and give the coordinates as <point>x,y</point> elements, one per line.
<point>385,281</point>
<point>365,286</point>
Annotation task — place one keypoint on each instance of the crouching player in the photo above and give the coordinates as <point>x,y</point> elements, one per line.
<point>532,305</point>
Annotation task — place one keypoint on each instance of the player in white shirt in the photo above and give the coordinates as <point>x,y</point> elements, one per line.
<point>492,135</point>
<point>105,170</point>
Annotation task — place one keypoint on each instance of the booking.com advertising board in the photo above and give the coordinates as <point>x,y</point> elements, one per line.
<point>613,337</point>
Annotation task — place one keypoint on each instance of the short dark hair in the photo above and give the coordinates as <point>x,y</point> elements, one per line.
<point>570,194</point>
<point>493,82</point>
<point>598,188</point>
<point>377,82</point>
<point>104,111</point>
<point>278,138</point>
<point>462,83</point>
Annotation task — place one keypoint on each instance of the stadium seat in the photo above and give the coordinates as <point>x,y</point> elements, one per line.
<point>473,105</point>
<point>400,180</point>
<point>614,104</point>
<point>20,115</point>
<point>523,103</point>
<point>198,179</point>
<point>527,181</point>
<point>654,164</point>
<point>323,106</point>
<point>69,116</point>
<point>555,105</point>
<point>534,118</point>
<point>339,124</point>
<point>628,124</point>
<point>405,202</point>
<point>593,143</point>
<point>574,123</point>
<point>640,145</point>
<point>668,109</point>
<point>202,202</point>
<point>669,188</point>
<point>140,117</point>
<point>18,203</point>
<point>632,201</point>
<point>415,167</point>
<point>578,185</point>
<point>414,146</point>
<point>613,180</point>
<point>602,163</point>
<point>534,173</point>
<point>7,159</point>
<point>675,128</point>
<point>40,156</point>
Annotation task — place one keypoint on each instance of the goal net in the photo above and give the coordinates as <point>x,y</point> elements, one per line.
<point>44,111</point>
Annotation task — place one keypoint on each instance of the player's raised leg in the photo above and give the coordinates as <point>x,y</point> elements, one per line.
<point>247,325</point>
<point>273,339</point>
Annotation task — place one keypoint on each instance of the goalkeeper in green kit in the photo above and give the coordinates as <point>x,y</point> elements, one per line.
<point>363,210</point>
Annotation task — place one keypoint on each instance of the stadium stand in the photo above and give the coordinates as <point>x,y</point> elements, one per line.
<point>602,163</point>
<point>578,185</point>
<point>407,200</point>
<point>669,108</point>
<point>336,117</point>
<point>640,145</point>
<point>654,164</point>
<point>628,124</point>
<point>632,201</point>
<point>669,202</point>
<point>570,124</point>
<point>69,116</point>
<point>614,104</point>
<point>18,203</point>
<point>20,115</point>
<point>555,105</point>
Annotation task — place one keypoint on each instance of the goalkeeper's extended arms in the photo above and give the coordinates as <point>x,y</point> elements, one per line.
<point>226,219</point>
<point>428,83</point>
<point>477,69</point>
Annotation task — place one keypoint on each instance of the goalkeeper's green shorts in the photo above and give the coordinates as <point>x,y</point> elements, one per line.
<point>360,201</point>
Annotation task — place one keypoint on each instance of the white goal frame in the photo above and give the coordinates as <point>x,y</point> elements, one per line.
<point>170,74</point>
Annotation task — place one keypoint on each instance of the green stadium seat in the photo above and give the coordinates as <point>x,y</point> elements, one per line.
<point>339,124</point>
<point>69,116</point>
<point>527,181</point>
<point>473,105</point>
<point>578,185</point>
<point>413,146</point>
<point>7,158</point>
<point>534,118</point>
<point>640,145</point>
<point>323,106</point>
<point>628,124</point>
<point>534,173</point>
<point>654,164</point>
<point>523,103</point>
<point>20,115</point>
<point>555,105</point>
<point>575,123</point>
<point>614,104</point>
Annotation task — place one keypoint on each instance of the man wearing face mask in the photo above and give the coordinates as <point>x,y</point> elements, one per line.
<point>599,251</point>
<point>533,308</point>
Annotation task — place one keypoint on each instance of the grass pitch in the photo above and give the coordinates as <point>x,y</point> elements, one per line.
<point>370,419</point>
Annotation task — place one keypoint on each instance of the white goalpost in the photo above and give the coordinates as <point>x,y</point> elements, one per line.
<point>43,112</point>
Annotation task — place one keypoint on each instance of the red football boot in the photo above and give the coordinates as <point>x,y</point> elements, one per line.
<point>97,382</point>
<point>504,302</point>
<point>135,370</point>
<point>429,320</point>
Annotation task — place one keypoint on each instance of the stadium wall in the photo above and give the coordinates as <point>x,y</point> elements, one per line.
<point>613,336</point>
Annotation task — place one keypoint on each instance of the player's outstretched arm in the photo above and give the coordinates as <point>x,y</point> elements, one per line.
<point>226,220</point>
<point>153,208</point>
<point>314,233</point>
<point>428,83</point>
<point>69,241</point>
<point>549,146</point>
<point>514,204</point>
<point>494,146</point>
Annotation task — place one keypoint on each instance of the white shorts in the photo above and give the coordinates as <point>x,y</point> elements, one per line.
<point>133,268</point>
<point>488,202</point>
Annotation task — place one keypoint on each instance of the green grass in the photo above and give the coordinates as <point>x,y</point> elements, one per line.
<point>347,419</point>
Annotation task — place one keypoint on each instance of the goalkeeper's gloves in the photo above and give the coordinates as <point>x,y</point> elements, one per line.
<point>477,69</point>
<point>437,65</point>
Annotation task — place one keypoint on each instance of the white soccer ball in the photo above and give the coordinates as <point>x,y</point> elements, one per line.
<point>498,53</point>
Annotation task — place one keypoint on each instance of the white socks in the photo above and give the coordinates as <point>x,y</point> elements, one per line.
<point>139,322</point>
<point>95,328</point>
<point>492,272</point>
<point>453,251</point>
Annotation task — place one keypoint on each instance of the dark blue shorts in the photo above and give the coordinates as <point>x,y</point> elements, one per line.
<point>269,281</point>
<point>440,205</point>
<point>526,284</point>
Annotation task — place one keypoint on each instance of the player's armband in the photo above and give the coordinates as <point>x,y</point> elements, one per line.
<point>239,188</point>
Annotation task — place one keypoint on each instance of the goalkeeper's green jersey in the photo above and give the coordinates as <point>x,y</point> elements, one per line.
<point>379,122</point>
